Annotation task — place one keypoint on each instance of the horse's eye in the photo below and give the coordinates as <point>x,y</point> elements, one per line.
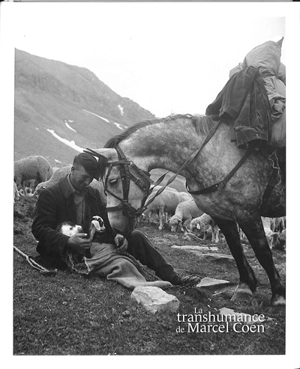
<point>113,181</point>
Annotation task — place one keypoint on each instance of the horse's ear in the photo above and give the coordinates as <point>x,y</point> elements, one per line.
<point>94,153</point>
<point>101,165</point>
<point>103,155</point>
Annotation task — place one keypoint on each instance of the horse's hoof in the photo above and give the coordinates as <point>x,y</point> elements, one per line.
<point>278,301</point>
<point>241,293</point>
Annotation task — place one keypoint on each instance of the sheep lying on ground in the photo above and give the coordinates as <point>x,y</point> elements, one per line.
<point>31,167</point>
<point>184,213</point>
<point>204,225</point>
<point>59,173</point>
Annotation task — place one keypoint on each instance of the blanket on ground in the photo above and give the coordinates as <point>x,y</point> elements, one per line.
<point>107,262</point>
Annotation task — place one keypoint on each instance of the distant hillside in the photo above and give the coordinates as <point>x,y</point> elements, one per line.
<point>60,106</point>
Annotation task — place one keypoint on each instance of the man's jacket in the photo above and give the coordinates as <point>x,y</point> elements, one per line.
<point>56,205</point>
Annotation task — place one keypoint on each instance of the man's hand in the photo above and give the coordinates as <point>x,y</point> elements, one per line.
<point>78,242</point>
<point>121,243</point>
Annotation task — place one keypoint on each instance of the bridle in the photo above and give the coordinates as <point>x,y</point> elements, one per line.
<point>130,172</point>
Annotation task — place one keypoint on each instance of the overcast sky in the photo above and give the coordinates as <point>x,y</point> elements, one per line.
<point>169,58</point>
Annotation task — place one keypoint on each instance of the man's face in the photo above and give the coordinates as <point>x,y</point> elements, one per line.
<point>80,179</point>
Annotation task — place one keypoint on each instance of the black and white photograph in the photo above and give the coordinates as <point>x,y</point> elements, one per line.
<point>148,148</point>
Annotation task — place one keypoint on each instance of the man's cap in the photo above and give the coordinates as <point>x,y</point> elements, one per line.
<point>89,163</point>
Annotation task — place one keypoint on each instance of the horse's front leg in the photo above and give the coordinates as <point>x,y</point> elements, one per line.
<point>254,230</point>
<point>248,281</point>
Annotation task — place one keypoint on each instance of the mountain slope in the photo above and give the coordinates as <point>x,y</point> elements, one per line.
<point>59,107</point>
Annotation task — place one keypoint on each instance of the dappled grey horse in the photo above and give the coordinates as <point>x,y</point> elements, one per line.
<point>232,185</point>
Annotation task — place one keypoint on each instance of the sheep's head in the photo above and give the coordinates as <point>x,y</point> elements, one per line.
<point>174,222</point>
<point>194,225</point>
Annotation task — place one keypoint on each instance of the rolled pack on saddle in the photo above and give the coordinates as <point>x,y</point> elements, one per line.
<point>253,101</point>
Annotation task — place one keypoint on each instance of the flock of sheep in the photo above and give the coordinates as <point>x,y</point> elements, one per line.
<point>173,209</point>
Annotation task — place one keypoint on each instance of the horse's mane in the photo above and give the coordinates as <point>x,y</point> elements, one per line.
<point>202,123</point>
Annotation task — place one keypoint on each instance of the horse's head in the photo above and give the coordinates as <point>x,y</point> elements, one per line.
<point>126,187</point>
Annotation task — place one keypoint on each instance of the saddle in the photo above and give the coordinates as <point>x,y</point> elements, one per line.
<point>243,103</point>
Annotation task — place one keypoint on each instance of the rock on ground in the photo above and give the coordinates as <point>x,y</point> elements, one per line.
<point>154,299</point>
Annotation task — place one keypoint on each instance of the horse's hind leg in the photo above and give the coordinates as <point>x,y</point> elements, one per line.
<point>248,281</point>
<point>253,229</point>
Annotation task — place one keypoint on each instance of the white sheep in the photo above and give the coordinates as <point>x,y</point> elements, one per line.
<point>30,186</point>
<point>278,240</point>
<point>16,192</point>
<point>278,224</point>
<point>59,173</point>
<point>184,213</point>
<point>204,225</point>
<point>185,196</point>
<point>163,204</point>
<point>62,172</point>
<point>32,167</point>
<point>267,224</point>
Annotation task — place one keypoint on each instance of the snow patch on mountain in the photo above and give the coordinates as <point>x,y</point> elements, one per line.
<point>99,116</point>
<point>71,144</point>
<point>121,109</point>
<point>119,126</point>
<point>68,126</point>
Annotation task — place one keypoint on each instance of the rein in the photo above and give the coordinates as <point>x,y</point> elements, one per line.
<point>126,176</point>
<point>130,172</point>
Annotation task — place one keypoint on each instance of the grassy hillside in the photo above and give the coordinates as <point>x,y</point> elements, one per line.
<point>54,99</point>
